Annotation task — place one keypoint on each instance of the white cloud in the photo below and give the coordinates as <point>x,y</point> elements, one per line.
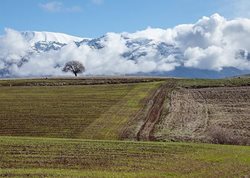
<point>208,58</point>
<point>211,43</point>
<point>56,6</point>
<point>52,6</point>
<point>97,2</point>
<point>12,48</point>
<point>154,34</point>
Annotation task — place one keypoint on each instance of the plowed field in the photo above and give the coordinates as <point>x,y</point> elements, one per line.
<point>195,114</point>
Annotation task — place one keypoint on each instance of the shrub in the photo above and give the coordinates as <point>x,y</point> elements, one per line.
<point>220,135</point>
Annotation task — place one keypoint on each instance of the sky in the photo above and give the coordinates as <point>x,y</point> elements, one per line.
<point>162,36</point>
<point>93,18</point>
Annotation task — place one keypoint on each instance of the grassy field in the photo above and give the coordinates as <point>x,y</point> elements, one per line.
<point>205,83</point>
<point>57,128</point>
<point>87,111</point>
<point>81,158</point>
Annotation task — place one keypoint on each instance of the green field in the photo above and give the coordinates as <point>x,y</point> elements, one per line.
<point>73,127</point>
<point>81,158</point>
<point>204,83</point>
<point>88,111</point>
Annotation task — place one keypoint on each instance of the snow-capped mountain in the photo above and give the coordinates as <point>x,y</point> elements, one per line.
<point>141,47</point>
<point>33,37</point>
<point>46,41</point>
<point>209,48</point>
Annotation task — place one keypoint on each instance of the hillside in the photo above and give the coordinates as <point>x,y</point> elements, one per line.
<point>97,112</point>
<point>56,127</point>
<point>126,108</point>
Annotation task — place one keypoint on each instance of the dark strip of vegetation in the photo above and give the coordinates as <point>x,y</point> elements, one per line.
<point>207,83</point>
<point>73,81</point>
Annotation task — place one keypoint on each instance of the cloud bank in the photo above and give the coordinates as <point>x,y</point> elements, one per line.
<point>212,43</point>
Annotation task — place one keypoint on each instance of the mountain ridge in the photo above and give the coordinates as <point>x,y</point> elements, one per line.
<point>35,36</point>
<point>208,48</point>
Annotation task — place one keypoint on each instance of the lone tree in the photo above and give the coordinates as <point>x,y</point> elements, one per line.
<point>74,66</point>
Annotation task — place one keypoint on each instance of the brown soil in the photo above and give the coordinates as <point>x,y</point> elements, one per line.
<point>194,113</point>
<point>153,115</point>
<point>143,124</point>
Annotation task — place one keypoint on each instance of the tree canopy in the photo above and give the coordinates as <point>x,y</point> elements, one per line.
<point>74,66</point>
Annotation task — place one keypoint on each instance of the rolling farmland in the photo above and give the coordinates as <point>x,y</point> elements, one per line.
<point>195,114</point>
<point>89,111</point>
<point>98,127</point>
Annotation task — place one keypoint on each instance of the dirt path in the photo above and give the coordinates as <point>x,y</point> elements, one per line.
<point>154,113</point>
<point>173,113</point>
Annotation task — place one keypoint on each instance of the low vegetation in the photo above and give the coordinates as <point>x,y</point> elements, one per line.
<point>96,112</point>
<point>39,157</point>
<point>76,81</point>
<point>207,83</point>
<point>57,127</point>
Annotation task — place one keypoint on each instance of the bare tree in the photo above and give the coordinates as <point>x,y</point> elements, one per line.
<point>74,66</point>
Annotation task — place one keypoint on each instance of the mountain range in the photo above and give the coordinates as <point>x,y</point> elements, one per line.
<point>148,52</point>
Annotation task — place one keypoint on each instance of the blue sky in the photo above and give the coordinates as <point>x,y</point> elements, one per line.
<point>93,18</point>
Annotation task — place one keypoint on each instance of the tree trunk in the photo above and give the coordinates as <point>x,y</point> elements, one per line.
<point>75,74</point>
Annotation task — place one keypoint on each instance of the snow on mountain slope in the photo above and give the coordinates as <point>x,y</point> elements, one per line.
<point>33,37</point>
<point>212,47</point>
